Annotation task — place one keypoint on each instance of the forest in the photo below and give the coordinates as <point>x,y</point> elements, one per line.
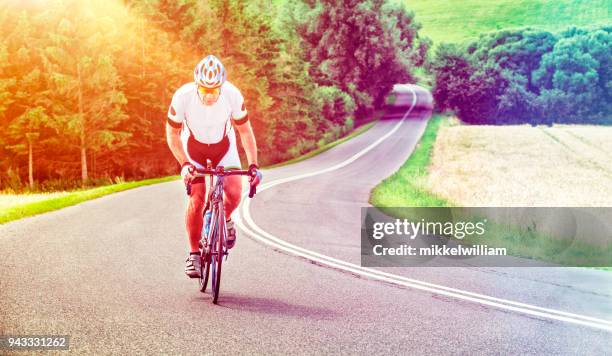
<point>85,85</point>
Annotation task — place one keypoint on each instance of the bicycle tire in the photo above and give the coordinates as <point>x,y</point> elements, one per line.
<point>204,272</point>
<point>217,258</point>
<point>204,264</point>
<point>216,263</point>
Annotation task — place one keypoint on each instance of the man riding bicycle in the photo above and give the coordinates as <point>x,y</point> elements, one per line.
<point>200,127</point>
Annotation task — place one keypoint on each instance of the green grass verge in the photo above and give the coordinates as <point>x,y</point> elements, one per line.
<point>457,21</point>
<point>43,206</point>
<point>358,131</point>
<point>527,243</point>
<point>406,188</point>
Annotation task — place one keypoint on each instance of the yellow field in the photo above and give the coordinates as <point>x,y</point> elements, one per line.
<point>563,165</point>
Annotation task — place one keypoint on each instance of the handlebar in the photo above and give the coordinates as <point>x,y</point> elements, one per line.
<point>222,172</point>
<point>219,172</point>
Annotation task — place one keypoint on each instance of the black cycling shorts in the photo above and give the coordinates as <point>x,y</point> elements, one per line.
<point>200,152</point>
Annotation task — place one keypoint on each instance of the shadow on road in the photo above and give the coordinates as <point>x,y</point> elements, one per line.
<point>273,306</point>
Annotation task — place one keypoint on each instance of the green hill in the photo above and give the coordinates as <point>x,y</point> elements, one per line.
<point>460,20</point>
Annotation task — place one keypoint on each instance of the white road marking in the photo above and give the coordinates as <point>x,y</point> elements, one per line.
<point>259,234</point>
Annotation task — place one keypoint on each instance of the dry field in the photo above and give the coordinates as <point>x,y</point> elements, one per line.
<point>563,165</point>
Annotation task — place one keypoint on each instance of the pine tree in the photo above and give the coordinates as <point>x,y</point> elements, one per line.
<point>28,128</point>
<point>89,101</point>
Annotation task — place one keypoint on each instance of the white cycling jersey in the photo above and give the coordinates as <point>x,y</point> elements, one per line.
<point>207,123</point>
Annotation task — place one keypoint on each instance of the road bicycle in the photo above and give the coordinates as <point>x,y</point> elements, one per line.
<point>213,244</point>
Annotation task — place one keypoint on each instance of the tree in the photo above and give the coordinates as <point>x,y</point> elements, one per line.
<point>452,72</point>
<point>88,101</point>
<point>518,51</point>
<point>27,129</point>
<point>28,122</point>
<point>511,56</point>
<point>579,66</point>
<point>400,23</point>
<point>359,47</point>
<point>6,81</point>
<point>151,69</point>
<point>299,103</point>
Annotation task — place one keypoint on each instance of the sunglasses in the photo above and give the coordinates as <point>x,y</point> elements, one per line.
<point>213,91</point>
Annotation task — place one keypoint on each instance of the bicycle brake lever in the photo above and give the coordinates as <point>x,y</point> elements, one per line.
<point>252,191</point>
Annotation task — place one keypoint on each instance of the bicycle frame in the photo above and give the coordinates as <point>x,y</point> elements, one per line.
<point>215,204</point>
<point>214,243</point>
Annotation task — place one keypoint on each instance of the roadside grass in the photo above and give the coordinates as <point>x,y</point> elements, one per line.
<point>458,21</point>
<point>408,187</point>
<point>530,244</point>
<point>21,210</point>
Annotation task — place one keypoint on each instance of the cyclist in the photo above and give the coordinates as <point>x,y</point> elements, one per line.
<point>200,127</point>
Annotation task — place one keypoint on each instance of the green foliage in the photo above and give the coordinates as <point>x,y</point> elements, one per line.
<point>152,68</point>
<point>360,47</point>
<point>579,71</point>
<point>6,81</point>
<point>335,105</point>
<point>452,70</point>
<point>527,76</point>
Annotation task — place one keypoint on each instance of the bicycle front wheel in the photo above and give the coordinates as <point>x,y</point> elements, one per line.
<point>216,260</point>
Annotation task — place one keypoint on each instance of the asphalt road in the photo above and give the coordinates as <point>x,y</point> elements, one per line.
<point>109,273</point>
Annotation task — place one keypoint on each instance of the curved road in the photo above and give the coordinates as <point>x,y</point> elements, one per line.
<point>109,272</point>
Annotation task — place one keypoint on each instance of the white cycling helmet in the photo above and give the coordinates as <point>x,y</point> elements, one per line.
<point>210,72</point>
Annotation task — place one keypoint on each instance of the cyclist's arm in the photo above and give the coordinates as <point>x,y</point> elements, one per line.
<point>173,137</point>
<point>248,141</point>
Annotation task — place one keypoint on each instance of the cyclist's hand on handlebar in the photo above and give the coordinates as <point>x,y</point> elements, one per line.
<point>255,178</point>
<point>255,175</point>
<point>187,172</point>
